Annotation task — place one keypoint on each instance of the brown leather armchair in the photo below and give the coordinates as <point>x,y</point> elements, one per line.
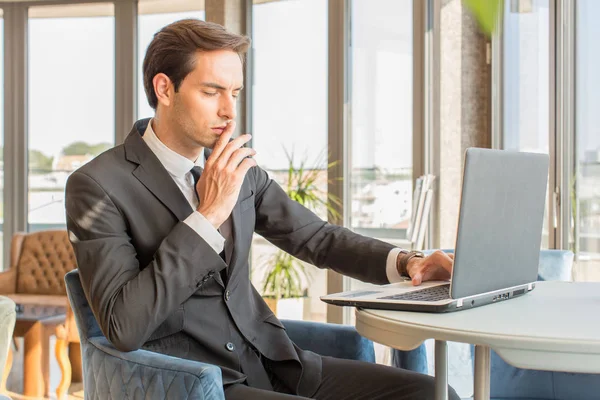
<point>38,264</point>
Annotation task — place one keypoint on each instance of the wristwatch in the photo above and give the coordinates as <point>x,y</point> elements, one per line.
<point>403,263</point>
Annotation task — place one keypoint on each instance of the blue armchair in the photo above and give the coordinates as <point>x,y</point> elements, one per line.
<point>140,374</point>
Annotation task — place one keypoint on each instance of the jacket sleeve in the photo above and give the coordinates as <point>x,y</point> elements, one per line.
<point>298,231</point>
<point>128,303</point>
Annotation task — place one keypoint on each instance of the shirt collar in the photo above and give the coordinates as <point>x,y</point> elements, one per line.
<point>176,164</point>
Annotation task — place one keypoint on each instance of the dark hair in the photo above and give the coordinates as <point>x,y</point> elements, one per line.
<point>173,48</point>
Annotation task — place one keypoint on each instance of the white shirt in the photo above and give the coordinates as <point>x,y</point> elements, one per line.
<point>179,168</point>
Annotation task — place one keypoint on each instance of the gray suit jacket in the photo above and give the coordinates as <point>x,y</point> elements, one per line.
<point>152,282</point>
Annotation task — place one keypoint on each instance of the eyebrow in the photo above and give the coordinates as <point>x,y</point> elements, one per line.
<point>219,87</point>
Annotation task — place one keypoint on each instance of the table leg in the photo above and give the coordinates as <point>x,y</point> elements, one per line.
<point>482,373</point>
<point>46,361</point>
<point>441,370</point>
<point>33,382</point>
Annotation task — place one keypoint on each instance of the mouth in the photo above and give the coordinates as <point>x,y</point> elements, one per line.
<point>218,130</point>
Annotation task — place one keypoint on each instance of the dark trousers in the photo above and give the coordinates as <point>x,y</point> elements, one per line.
<point>352,380</point>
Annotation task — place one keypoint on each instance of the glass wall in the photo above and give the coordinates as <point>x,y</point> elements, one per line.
<point>290,123</point>
<point>381,140</point>
<point>585,183</point>
<point>71,100</point>
<point>526,81</point>
<point>150,22</point>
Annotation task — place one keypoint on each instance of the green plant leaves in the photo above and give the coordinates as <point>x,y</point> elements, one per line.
<point>485,12</point>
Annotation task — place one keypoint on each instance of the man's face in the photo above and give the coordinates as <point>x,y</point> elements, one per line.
<point>206,100</point>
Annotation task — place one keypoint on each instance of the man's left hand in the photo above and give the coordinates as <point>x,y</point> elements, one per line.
<point>435,267</point>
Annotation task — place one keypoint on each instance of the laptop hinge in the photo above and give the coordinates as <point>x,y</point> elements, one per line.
<point>530,286</point>
<point>459,303</point>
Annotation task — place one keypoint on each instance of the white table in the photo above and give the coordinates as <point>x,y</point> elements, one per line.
<point>556,327</point>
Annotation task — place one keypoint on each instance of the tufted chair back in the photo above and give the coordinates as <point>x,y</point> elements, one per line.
<point>42,259</point>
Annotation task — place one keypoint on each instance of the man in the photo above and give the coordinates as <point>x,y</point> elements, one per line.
<point>162,245</point>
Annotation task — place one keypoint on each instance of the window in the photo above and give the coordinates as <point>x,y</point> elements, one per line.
<point>150,20</point>
<point>290,115</point>
<point>585,184</point>
<point>526,81</point>
<point>71,100</point>
<point>381,142</point>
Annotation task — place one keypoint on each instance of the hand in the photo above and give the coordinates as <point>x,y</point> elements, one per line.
<point>437,266</point>
<point>223,175</point>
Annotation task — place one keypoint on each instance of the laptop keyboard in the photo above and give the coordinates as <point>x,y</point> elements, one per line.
<point>435,293</point>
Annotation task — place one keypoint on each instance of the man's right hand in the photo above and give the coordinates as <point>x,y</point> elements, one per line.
<point>224,171</point>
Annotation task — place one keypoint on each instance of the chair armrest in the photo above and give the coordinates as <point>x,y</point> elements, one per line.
<point>8,281</point>
<point>332,340</point>
<point>145,374</point>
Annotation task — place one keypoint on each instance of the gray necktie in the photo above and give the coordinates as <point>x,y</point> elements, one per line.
<point>196,172</point>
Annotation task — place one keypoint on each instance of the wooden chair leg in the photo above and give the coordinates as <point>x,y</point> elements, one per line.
<point>62,357</point>
<point>76,362</point>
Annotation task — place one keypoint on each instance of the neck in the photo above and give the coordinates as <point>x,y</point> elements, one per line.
<point>174,140</point>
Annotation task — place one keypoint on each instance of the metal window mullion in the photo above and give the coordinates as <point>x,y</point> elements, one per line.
<point>428,161</point>
<point>249,70</point>
<point>497,82</point>
<point>338,135</point>
<point>552,181</point>
<point>565,121</point>
<point>15,123</point>
<point>126,69</point>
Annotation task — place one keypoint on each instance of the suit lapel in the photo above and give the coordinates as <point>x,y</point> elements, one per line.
<point>152,174</point>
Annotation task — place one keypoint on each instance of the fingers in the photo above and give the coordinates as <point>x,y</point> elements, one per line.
<point>442,259</point>
<point>238,156</point>
<point>245,166</point>
<point>231,147</point>
<point>222,142</point>
<point>438,266</point>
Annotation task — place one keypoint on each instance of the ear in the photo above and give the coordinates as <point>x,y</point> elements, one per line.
<point>163,87</point>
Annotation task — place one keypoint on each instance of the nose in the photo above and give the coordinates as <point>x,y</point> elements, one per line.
<point>227,107</point>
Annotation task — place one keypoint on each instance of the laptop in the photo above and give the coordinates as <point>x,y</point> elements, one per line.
<point>497,244</point>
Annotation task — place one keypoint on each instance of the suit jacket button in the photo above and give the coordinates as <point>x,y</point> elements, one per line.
<point>227,295</point>
<point>229,346</point>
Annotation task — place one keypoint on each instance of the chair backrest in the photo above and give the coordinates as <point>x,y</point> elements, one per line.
<point>84,318</point>
<point>41,260</point>
<point>555,265</point>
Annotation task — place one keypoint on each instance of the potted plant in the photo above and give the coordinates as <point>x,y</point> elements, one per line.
<point>285,277</point>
